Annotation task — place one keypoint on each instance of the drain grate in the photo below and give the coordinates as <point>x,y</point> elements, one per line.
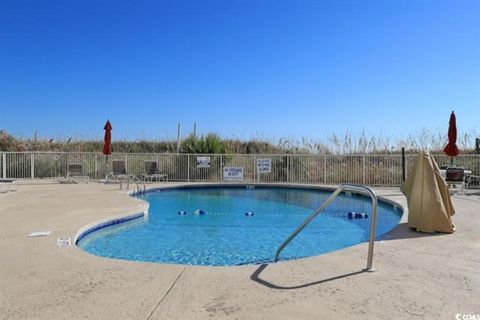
<point>64,242</point>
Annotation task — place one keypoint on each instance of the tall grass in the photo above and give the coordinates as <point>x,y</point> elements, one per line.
<point>346,143</point>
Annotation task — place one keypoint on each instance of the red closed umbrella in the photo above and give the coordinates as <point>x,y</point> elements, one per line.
<point>107,146</point>
<point>451,148</point>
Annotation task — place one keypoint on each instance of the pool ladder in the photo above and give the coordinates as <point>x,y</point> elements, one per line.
<point>139,183</point>
<point>338,191</point>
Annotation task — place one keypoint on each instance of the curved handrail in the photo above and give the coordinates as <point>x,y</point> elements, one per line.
<point>340,189</point>
<point>131,178</point>
<point>137,181</point>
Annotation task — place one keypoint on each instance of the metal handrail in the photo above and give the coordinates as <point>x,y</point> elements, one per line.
<point>340,189</point>
<point>137,181</point>
<point>131,178</point>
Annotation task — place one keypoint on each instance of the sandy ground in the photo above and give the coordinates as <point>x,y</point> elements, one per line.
<point>418,276</point>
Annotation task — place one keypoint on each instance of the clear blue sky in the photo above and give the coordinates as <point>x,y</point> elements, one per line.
<point>241,68</point>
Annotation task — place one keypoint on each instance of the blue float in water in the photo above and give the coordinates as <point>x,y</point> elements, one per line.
<point>199,212</point>
<point>357,215</point>
<point>249,214</point>
<point>361,215</point>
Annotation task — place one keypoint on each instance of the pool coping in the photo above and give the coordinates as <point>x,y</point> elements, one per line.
<point>112,220</point>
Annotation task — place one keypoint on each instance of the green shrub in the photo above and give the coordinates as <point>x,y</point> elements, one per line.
<point>211,143</point>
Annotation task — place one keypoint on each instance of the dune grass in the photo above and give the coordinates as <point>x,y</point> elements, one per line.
<point>346,143</point>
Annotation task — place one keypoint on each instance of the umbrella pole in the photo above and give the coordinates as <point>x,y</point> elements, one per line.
<point>106,168</point>
<point>451,161</point>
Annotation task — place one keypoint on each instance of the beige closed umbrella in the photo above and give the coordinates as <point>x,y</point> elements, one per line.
<point>429,203</point>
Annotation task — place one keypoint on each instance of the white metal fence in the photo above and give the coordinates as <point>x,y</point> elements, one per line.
<point>374,170</point>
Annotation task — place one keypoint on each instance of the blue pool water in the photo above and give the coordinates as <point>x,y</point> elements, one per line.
<point>224,235</point>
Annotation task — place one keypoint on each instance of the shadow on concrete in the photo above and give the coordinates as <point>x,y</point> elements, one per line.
<point>403,231</point>
<point>256,277</point>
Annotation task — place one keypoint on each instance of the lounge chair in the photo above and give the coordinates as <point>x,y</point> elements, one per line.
<point>455,176</point>
<point>152,173</point>
<point>75,173</point>
<point>119,172</point>
<point>8,185</point>
<point>471,182</point>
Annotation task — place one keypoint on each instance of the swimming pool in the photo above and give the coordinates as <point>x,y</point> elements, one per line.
<point>240,225</point>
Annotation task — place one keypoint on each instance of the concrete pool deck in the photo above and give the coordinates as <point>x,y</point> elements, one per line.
<point>418,276</point>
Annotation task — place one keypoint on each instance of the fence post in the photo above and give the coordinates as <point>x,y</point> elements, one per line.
<point>221,167</point>
<point>65,164</point>
<point>324,169</point>
<point>188,168</point>
<point>96,167</point>
<point>32,165</point>
<point>4,165</point>
<point>363,170</point>
<point>288,168</point>
<point>255,173</point>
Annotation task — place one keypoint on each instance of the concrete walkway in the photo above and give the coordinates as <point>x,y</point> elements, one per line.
<point>419,276</point>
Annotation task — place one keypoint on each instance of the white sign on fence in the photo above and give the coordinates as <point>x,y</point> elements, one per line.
<point>203,162</point>
<point>233,173</point>
<point>264,165</point>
